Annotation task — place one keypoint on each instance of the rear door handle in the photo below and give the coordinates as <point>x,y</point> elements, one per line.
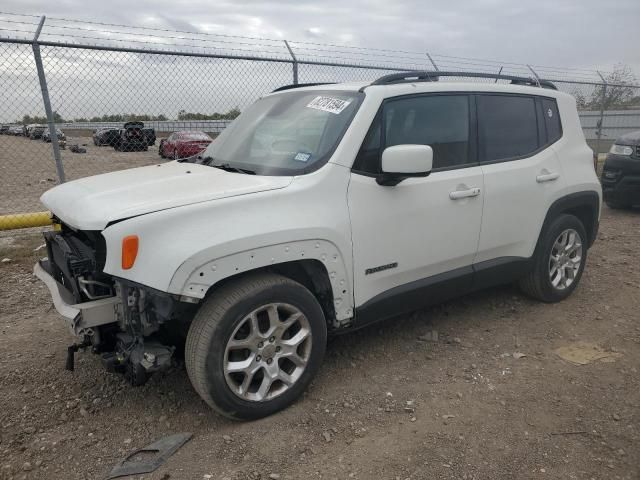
<point>547,176</point>
<point>458,194</point>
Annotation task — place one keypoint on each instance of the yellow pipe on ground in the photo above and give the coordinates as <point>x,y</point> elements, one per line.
<point>25,220</point>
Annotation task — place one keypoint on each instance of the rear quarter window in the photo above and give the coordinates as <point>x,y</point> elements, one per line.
<point>551,120</point>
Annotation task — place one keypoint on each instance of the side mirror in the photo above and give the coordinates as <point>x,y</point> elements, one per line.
<point>404,161</point>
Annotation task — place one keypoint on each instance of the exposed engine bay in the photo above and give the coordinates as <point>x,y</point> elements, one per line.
<point>137,330</point>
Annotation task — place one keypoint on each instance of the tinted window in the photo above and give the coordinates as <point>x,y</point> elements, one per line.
<point>440,121</point>
<point>507,127</point>
<point>551,120</point>
<point>368,159</point>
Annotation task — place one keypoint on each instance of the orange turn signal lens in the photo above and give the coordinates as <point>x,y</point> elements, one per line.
<point>129,251</point>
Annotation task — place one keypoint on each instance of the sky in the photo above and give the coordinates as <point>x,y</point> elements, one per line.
<point>555,37</point>
<point>565,33</point>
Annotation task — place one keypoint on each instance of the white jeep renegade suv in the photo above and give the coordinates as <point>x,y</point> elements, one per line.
<point>321,208</point>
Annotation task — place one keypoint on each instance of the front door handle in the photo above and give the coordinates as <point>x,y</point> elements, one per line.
<point>458,194</point>
<point>547,176</point>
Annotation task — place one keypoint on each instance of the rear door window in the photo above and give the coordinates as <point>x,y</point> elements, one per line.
<point>507,127</point>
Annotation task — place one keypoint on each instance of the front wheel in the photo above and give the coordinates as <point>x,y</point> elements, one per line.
<point>559,260</point>
<point>255,345</point>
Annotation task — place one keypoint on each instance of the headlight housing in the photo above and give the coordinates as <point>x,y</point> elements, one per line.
<point>621,149</point>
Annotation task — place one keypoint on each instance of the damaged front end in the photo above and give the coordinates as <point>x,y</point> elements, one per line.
<point>137,330</point>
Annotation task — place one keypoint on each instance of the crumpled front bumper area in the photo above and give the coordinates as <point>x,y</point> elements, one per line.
<point>80,317</point>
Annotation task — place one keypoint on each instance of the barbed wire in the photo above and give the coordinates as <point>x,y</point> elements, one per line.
<point>220,42</point>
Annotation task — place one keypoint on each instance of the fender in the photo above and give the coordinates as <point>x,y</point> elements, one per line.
<point>588,200</point>
<point>191,280</point>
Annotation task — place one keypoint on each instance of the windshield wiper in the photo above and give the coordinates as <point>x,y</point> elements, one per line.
<point>229,168</point>
<point>192,158</point>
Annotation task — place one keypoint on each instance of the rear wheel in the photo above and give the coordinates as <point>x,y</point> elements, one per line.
<point>255,345</point>
<point>559,261</point>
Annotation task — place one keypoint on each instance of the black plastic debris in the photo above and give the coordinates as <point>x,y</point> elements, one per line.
<point>77,149</point>
<point>149,458</point>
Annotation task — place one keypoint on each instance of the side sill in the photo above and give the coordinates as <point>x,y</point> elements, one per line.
<point>439,288</point>
<point>499,271</point>
<point>414,295</point>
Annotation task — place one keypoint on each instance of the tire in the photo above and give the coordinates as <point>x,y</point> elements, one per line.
<point>222,318</point>
<point>539,282</point>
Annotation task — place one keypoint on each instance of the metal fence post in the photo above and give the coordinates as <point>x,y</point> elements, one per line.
<point>47,103</point>
<point>432,62</point>
<point>601,119</point>
<point>294,63</point>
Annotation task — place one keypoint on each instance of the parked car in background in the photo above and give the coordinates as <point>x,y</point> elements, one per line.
<point>26,129</point>
<point>4,129</point>
<point>62,139</point>
<point>105,136</point>
<point>183,144</point>
<point>36,131</point>
<point>621,172</point>
<point>132,137</point>
<point>16,131</point>
<point>150,135</point>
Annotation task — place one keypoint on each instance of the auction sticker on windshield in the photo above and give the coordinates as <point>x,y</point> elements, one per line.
<point>302,157</point>
<point>329,104</point>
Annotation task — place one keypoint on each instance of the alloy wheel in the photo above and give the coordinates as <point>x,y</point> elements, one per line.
<point>267,352</point>
<point>565,259</point>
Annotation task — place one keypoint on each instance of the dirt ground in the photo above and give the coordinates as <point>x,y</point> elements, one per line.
<point>27,168</point>
<point>489,398</point>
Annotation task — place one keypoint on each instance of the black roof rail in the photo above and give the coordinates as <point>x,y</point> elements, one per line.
<point>434,76</point>
<point>300,85</point>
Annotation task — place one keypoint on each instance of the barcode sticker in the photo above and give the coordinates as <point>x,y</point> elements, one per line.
<point>302,157</point>
<point>329,104</point>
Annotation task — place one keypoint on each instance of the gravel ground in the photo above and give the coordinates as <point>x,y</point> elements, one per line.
<point>27,168</point>
<point>486,397</point>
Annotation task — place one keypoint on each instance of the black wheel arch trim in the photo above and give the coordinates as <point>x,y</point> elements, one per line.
<point>569,204</point>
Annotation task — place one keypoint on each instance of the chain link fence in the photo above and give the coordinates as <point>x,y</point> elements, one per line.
<point>87,80</point>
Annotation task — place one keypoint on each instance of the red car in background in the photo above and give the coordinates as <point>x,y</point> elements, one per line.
<point>183,144</point>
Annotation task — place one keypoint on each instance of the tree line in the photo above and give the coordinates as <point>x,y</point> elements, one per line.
<point>609,97</point>
<point>132,117</point>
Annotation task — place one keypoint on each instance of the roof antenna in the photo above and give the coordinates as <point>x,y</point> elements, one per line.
<point>535,75</point>
<point>434,66</point>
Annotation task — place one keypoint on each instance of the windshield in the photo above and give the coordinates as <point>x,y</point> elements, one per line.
<point>286,134</point>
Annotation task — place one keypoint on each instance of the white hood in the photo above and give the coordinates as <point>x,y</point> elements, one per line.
<point>92,203</point>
